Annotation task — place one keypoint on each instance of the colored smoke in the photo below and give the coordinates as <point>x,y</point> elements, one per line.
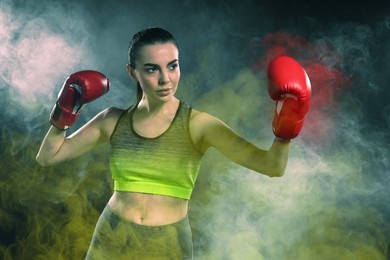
<point>332,202</point>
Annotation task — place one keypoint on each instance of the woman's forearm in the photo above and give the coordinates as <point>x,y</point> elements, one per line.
<point>50,146</point>
<point>278,155</point>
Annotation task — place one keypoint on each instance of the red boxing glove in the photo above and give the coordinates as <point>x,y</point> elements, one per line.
<point>78,89</point>
<point>289,85</point>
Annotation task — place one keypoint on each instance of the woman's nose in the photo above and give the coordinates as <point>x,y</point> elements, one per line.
<point>164,77</point>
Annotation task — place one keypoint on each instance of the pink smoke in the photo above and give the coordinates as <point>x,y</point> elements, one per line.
<point>326,79</point>
<point>33,58</point>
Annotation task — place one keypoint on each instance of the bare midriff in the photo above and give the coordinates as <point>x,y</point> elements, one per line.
<point>148,209</point>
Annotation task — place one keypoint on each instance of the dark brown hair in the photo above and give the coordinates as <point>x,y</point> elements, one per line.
<point>148,36</point>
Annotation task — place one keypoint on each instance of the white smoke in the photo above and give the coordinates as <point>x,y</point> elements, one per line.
<point>35,57</point>
<point>332,202</point>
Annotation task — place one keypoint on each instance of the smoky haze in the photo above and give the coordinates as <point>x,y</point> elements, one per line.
<point>332,202</point>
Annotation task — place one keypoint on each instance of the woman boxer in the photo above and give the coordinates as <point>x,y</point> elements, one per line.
<point>158,144</point>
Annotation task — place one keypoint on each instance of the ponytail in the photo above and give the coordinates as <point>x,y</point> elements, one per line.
<point>139,93</point>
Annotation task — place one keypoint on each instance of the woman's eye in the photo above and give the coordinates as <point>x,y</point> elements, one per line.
<point>151,70</point>
<point>173,66</point>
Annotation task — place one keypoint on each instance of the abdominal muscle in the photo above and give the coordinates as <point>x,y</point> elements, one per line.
<point>148,209</point>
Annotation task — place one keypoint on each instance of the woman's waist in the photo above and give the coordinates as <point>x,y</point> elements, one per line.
<point>148,209</point>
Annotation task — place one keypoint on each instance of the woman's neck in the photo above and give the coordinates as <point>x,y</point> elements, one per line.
<point>152,108</point>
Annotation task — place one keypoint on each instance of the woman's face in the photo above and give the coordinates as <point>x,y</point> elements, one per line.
<point>157,71</point>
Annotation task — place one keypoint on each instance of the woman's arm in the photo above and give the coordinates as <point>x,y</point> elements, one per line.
<point>78,89</point>
<point>289,86</point>
<point>56,147</point>
<point>208,131</point>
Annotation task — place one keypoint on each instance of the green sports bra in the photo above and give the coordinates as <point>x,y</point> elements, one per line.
<point>165,165</point>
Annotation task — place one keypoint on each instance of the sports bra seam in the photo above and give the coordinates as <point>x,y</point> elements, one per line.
<point>118,122</point>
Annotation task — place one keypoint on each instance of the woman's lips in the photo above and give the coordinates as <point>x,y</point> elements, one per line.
<point>165,91</point>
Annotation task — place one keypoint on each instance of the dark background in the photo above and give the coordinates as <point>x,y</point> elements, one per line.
<point>333,201</point>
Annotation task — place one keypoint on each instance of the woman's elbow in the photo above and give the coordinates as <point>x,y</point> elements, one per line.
<point>42,161</point>
<point>276,170</point>
<point>276,173</point>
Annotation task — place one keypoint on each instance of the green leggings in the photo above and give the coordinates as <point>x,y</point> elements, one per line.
<point>118,238</point>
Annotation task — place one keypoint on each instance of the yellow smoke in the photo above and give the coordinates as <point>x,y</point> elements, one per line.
<point>319,210</point>
<point>49,213</point>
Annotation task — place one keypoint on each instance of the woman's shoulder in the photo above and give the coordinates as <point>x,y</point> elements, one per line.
<point>108,114</point>
<point>202,122</point>
<point>200,117</point>
<point>112,112</point>
<point>203,128</point>
<point>107,119</point>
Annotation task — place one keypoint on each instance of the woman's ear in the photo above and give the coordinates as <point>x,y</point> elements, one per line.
<point>131,72</point>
